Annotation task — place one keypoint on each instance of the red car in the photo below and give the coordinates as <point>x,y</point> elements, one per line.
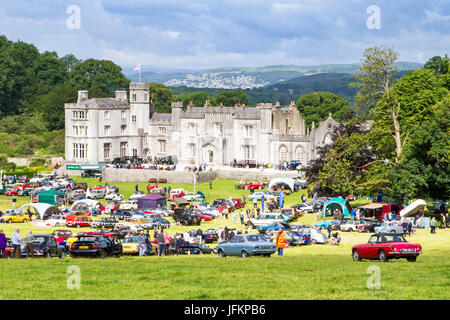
<point>63,234</point>
<point>205,217</point>
<point>12,192</point>
<point>256,186</point>
<point>79,221</point>
<point>385,246</point>
<point>238,203</point>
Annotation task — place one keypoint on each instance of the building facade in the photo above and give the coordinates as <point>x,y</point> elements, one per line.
<point>101,129</point>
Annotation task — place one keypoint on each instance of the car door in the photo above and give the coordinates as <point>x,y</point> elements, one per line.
<point>372,248</point>
<point>232,246</point>
<point>53,246</point>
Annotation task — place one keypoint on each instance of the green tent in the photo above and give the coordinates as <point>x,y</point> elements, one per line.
<point>336,203</point>
<point>50,196</point>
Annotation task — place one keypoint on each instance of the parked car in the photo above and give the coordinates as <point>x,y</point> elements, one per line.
<point>324,224</point>
<point>176,193</point>
<point>56,221</point>
<point>308,208</point>
<point>256,186</point>
<point>114,197</point>
<point>62,234</point>
<point>190,196</point>
<point>78,221</point>
<point>317,237</point>
<point>45,245</point>
<point>389,226</point>
<point>12,192</point>
<point>295,238</point>
<point>104,223</point>
<point>136,195</point>
<point>128,205</point>
<point>185,217</point>
<point>156,222</point>
<point>194,248</point>
<point>245,245</point>
<point>14,216</point>
<point>352,225</point>
<point>370,226</point>
<point>95,245</point>
<point>385,246</point>
<point>210,235</point>
<point>269,219</point>
<point>130,245</point>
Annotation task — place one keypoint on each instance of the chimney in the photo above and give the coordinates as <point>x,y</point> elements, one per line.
<point>277,104</point>
<point>207,103</point>
<point>121,95</point>
<point>83,95</point>
<point>191,104</point>
<point>293,104</point>
<point>221,104</point>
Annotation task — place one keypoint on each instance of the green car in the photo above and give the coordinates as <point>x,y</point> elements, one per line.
<point>25,192</point>
<point>199,202</point>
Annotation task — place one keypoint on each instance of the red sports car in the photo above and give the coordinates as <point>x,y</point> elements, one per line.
<point>256,186</point>
<point>79,221</point>
<point>12,192</point>
<point>385,246</point>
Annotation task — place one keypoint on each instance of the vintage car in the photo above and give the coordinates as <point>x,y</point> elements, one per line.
<point>324,224</point>
<point>291,212</point>
<point>128,205</point>
<point>95,245</point>
<point>317,237</point>
<point>304,207</point>
<point>130,245</point>
<point>295,238</point>
<point>269,219</point>
<point>114,197</point>
<point>258,195</point>
<point>136,195</point>
<point>12,192</point>
<point>389,226</point>
<point>14,216</point>
<point>210,235</point>
<point>104,222</point>
<point>385,246</point>
<point>194,248</point>
<point>190,196</point>
<point>369,226</point>
<point>95,193</point>
<point>245,245</point>
<point>80,186</point>
<point>25,192</point>
<point>56,221</point>
<point>78,222</point>
<point>352,225</point>
<point>218,202</point>
<point>62,234</point>
<point>156,222</point>
<point>176,193</point>
<point>256,186</point>
<point>274,227</point>
<point>45,245</point>
<point>238,203</point>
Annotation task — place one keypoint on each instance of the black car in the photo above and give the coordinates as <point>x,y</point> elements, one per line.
<point>95,246</point>
<point>218,202</point>
<point>45,245</point>
<point>156,222</point>
<point>371,226</point>
<point>185,217</point>
<point>194,248</point>
<point>121,214</point>
<point>210,236</point>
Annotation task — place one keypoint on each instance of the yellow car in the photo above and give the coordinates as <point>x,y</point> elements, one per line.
<point>14,216</point>
<point>130,245</point>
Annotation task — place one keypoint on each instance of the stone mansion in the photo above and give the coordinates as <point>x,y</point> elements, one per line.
<point>101,129</point>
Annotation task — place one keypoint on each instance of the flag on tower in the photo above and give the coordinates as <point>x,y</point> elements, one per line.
<point>138,67</point>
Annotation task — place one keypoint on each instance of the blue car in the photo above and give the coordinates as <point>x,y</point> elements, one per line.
<point>324,224</point>
<point>245,245</point>
<point>275,227</point>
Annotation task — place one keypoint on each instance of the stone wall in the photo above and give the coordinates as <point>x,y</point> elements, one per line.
<point>25,161</point>
<point>137,175</point>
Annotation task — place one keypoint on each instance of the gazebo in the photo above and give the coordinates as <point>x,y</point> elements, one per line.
<point>337,203</point>
<point>50,196</point>
<point>151,201</point>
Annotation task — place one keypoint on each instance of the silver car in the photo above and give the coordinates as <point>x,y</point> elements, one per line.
<point>390,226</point>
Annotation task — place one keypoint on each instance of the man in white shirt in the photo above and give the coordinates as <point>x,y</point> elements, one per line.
<point>15,240</point>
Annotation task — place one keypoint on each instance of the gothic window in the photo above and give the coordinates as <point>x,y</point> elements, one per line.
<point>123,149</point>
<point>106,150</point>
<point>300,154</point>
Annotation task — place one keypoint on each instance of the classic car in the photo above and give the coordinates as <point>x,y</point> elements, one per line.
<point>291,212</point>
<point>104,222</point>
<point>324,224</point>
<point>269,219</point>
<point>156,222</point>
<point>136,195</point>
<point>256,186</point>
<point>25,192</point>
<point>389,226</point>
<point>12,192</point>
<point>128,205</point>
<point>11,216</point>
<point>176,193</point>
<point>95,193</point>
<point>210,235</point>
<point>80,186</point>
<point>275,227</point>
<point>370,226</point>
<point>218,202</point>
<point>258,195</point>
<point>45,245</point>
<point>190,196</point>
<point>245,245</point>
<point>295,238</point>
<point>352,225</point>
<point>238,203</point>
<point>304,207</point>
<point>316,235</point>
<point>62,234</point>
<point>385,246</point>
<point>78,222</point>
<point>194,248</point>
<point>130,245</point>
<point>114,197</point>
<point>95,245</point>
<point>56,221</point>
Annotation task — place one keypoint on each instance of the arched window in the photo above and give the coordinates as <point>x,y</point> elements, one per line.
<point>283,153</point>
<point>300,154</point>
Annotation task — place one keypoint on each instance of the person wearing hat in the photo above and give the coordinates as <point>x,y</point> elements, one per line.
<point>281,241</point>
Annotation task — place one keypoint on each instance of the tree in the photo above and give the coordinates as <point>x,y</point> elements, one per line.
<point>70,61</point>
<point>198,98</point>
<point>232,97</point>
<point>100,77</point>
<point>438,64</point>
<point>316,106</point>
<point>375,78</point>
<point>161,97</point>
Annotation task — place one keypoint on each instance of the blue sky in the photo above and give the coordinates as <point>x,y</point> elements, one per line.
<point>199,34</point>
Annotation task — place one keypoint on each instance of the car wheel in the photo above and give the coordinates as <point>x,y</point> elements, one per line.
<point>322,227</point>
<point>9,221</point>
<point>392,231</point>
<point>221,253</point>
<point>313,241</point>
<point>382,256</point>
<point>48,255</point>
<point>62,255</point>
<point>78,225</point>
<point>356,256</point>
<point>102,253</point>
<point>24,220</point>
<point>411,259</point>
<point>244,254</point>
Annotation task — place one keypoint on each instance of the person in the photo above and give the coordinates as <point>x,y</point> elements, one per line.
<point>167,240</point>
<point>199,235</point>
<point>303,198</point>
<point>234,216</point>
<point>3,242</point>
<point>148,243</point>
<point>137,188</point>
<point>410,228</point>
<point>281,241</point>
<point>210,184</point>
<point>242,217</point>
<point>433,224</point>
<point>447,222</point>
<point>141,244</point>
<point>148,188</point>
<point>28,241</point>
<point>14,200</point>
<point>161,240</point>
<point>335,239</point>
<point>15,240</point>
<point>255,203</point>
<point>329,230</point>
<point>353,214</point>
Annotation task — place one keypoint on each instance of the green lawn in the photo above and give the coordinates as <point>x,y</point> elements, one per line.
<point>311,272</point>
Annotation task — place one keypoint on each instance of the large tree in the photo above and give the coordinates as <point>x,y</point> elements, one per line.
<point>161,97</point>
<point>232,97</point>
<point>316,106</point>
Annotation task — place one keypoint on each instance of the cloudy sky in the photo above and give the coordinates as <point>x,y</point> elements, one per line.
<point>199,34</point>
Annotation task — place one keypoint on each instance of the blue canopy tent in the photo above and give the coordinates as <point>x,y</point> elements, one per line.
<point>336,203</point>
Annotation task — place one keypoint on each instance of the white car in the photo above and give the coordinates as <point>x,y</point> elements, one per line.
<point>307,208</point>
<point>349,226</point>
<point>56,221</point>
<point>317,236</point>
<point>78,192</point>
<point>390,226</point>
<point>128,205</point>
<point>268,219</point>
<point>114,197</point>
<point>136,195</point>
<point>95,194</point>
<point>189,196</point>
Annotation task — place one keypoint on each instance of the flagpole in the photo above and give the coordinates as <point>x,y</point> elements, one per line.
<point>140,75</point>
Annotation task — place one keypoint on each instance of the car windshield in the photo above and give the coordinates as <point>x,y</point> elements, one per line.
<point>391,238</point>
<point>131,240</point>
<point>87,238</point>
<point>39,240</point>
<point>256,237</point>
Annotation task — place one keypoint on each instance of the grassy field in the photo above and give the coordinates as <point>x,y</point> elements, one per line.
<point>311,272</point>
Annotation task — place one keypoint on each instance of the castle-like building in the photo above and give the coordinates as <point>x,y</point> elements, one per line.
<point>101,129</point>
